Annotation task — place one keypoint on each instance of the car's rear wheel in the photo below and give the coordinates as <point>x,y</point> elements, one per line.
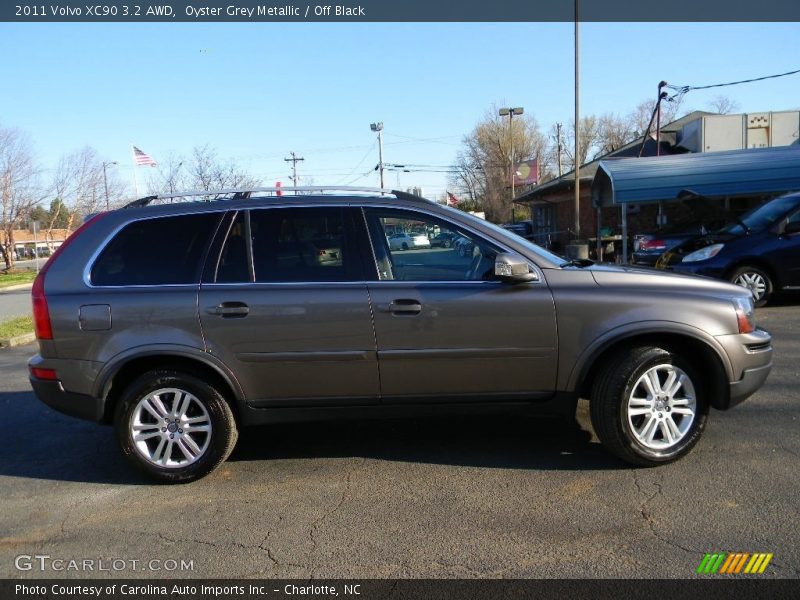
<point>648,406</point>
<point>447,243</point>
<point>756,280</point>
<point>405,246</point>
<point>174,427</point>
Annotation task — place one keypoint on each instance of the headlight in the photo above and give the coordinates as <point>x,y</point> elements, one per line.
<point>745,314</point>
<point>704,254</point>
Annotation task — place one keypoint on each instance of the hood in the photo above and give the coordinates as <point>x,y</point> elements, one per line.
<point>656,280</point>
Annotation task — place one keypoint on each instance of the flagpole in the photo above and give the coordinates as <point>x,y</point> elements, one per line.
<point>135,180</point>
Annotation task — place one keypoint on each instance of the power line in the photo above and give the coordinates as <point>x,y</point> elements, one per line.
<point>680,90</point>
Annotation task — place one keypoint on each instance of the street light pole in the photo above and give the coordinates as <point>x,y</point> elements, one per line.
<point>511,112</point>
<point>105,178</point>
<point>378,127</point>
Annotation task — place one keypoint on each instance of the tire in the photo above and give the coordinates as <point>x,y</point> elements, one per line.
<point>186,426</point>
<point>644,438</point>
<point>447,243</point>
<point>756,280</point>
<point>405,246</point>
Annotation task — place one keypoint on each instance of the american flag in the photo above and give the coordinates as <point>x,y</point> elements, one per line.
<point>142,159</point>
<point>452,200</point>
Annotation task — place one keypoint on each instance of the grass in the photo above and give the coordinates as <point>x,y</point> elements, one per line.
<point>16,277</point>
<point>16,326</point>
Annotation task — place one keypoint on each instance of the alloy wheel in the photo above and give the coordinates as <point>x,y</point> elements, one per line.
<point>662,407</point>
<point>170,428</point>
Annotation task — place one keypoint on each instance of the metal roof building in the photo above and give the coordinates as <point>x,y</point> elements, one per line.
<point>710,174</point>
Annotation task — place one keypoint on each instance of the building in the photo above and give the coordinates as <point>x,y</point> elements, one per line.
<point>552,203</point>
<point>45,242</point>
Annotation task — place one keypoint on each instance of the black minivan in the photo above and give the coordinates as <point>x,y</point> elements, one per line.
<point>759,251</point>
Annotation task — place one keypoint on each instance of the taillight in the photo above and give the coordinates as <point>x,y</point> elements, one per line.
<point>41,312</point>
<point>653,245</point>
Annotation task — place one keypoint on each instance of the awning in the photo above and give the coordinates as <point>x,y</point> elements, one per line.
<point>711,174</point>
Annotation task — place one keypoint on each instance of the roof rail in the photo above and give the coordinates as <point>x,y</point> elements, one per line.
<point>241,193</point>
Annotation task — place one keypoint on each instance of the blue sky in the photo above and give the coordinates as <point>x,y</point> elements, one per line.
<point>256,91</point>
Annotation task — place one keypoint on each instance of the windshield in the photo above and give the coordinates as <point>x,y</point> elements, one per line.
<point>765,216</point>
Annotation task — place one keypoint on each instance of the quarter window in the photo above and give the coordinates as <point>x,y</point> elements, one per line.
<point>160,251</point>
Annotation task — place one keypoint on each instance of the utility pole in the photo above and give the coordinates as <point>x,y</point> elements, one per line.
<point>558,146</point>
<point>294,160</point>
<point>510,112</point>
<point>378,128</point>
<point>577,224</point>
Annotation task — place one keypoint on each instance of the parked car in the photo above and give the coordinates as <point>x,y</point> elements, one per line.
<point>444,239</point>
<point>222,320</point>
<point>406,241</point>
<point>760,251</point>
<point>463,246</point>
<point>648,247</point>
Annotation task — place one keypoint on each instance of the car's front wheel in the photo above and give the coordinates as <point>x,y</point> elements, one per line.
<point>756,280</point>
<point>174,426</point>
<point>648,406</point>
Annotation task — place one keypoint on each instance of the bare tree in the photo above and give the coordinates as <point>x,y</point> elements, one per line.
<point>483,165</point>
<point>207,172</point>
<point>169,177</point>
<point>78,181</point>
<point>589,132</point>
<point>19,187</point>
<point>723,105</point>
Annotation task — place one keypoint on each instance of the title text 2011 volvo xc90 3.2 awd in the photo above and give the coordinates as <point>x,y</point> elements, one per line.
<point>181,322</point>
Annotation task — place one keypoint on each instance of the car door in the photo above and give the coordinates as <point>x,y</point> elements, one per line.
<point>446,330</point>
<point>284,305</point>
<point>787,252</point>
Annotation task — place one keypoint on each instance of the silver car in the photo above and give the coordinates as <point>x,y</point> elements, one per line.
<point>181,323</point>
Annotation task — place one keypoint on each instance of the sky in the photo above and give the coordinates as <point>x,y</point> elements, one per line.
<point>257,91</point>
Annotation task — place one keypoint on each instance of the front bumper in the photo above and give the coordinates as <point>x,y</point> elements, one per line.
<point>750,356</point>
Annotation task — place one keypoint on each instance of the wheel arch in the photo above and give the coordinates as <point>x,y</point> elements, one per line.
<point>125,368</point>
<point>709,359</point>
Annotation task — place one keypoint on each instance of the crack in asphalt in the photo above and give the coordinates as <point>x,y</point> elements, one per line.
<point>648,516</point>
<point>345,496</point>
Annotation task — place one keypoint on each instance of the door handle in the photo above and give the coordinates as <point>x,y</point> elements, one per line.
<point>404,307</point>
<point>229,309</point>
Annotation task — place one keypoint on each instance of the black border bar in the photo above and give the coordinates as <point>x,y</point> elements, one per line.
<point>368,11</point>
<point>709,588</point>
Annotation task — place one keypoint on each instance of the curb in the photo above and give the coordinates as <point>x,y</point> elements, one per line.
<point>19,286</point>
<point>18,340</point>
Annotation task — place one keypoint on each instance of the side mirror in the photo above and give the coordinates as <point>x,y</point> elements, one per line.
<point>513,269</point>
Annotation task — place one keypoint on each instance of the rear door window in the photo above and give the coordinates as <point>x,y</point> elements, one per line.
<point>161,251</point>
<point>289,245</point>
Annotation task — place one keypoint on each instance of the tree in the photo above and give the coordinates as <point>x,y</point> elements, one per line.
<point>19,187</point>
<point>483,165</point>
<point>723,105</point>
<point>204,170</point>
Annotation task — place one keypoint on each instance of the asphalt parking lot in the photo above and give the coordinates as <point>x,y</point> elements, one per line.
<point>461,497</point>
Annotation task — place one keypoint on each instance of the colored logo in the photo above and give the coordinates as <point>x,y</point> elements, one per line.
<point>734,563</point>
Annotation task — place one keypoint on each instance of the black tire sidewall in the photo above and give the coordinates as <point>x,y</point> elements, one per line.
<point>223,427</point>
<point>657,356</point>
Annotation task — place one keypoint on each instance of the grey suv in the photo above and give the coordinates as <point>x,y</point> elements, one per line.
<point>182,322</point>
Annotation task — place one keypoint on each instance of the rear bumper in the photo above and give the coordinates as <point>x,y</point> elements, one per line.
<point>53,394</point>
